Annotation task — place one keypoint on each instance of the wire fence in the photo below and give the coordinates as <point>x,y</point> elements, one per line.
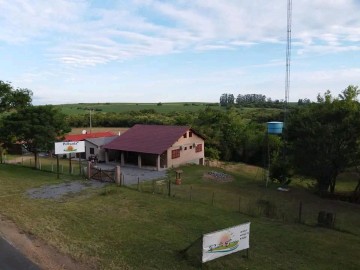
<point>48,164</point>
<point>294,211</point>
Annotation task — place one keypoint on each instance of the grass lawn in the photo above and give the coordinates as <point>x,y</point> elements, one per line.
<point>120,228</point>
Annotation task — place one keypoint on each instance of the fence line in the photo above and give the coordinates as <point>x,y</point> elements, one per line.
<point>255,206</point>
<point>47,165</point>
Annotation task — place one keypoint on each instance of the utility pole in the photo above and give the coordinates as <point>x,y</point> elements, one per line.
<point>90,121</point>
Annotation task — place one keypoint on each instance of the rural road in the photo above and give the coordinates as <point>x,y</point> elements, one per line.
<point>12,259</point>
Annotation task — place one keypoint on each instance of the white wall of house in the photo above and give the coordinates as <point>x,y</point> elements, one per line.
<point>187,149</point>
<point>91,150</point>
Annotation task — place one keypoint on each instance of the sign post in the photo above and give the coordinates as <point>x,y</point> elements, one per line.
<point>68,148</point>
<point>224,242</point>
<point>57,166</point>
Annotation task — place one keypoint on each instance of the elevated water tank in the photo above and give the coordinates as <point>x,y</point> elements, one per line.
<point>275,127</point>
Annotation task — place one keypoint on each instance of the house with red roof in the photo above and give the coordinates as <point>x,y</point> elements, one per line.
<point>157,147</point>
<point>93,143</point>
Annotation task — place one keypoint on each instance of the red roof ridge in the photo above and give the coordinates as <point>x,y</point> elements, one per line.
<point>81,137</point>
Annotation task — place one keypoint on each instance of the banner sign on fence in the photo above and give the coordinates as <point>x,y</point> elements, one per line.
<point>224,242</point>
<point>69,147</point>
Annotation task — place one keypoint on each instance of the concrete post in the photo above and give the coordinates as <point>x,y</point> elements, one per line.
<point>89,170</point>
<point>122,162</point>
<point>117,176</point>
<point>139,161</point>
<point>158,162</point>
<point>106,156</point>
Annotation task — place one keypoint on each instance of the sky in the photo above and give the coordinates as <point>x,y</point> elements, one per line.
<point>85,51</point>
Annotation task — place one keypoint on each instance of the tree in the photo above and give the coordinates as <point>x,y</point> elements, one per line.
<point>224,100</point>
<point>324,138</point>
<point>229,136</point>
<point>230,99</point>
<point>37,128</point>
<point>11,98</point>
<point>350,93</point>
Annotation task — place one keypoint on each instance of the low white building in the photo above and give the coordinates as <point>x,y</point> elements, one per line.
<point>94,147</point>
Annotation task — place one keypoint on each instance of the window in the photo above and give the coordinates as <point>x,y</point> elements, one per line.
<point>190,146</point>
<point>198,148</point>
<point>175,153</point>
<point>185,148</point>
<point>185,135</point>
<point>190,133</point>
<point>91,151</point>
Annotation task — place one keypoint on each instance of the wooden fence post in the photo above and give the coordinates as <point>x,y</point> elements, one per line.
<point>57,167</point>
<point>300,212</point>
<point>89,170</point>
<point>169,191</point>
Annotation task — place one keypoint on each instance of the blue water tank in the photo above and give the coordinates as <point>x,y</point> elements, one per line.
<point>275,127</point>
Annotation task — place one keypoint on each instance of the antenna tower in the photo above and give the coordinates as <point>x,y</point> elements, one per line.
<point>288,58</point>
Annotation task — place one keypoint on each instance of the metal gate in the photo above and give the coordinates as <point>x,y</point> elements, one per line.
<point>102,174</point>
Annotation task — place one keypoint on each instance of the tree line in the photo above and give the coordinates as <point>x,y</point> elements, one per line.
<point>250,100</point>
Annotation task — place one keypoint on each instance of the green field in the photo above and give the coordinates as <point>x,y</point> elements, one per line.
<point>83,108</point>
<point>121,228</point>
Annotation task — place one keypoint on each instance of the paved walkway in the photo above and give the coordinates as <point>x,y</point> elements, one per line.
<point>12,259</point>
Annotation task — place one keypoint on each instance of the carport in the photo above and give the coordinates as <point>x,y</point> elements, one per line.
<point>141,160</point>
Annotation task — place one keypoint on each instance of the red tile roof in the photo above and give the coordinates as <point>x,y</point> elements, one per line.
<point>151,139</point>
<point>81,137</point>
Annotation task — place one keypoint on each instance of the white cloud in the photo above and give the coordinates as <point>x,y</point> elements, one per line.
<point>23,20</point>
<point>86,35</point>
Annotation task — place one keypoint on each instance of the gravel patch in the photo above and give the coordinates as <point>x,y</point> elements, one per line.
<point>219,176</point>
<point>59,190</point>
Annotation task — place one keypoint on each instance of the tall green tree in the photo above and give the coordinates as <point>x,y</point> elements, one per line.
<point>11,98</point>
<point>37,128</point>
<point>324,137</point>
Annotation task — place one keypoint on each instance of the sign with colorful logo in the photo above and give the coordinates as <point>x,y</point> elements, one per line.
<point>224,242</point>
<point>69,147</point>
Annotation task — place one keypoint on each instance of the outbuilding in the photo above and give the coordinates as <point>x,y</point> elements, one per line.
<point>93,142</point>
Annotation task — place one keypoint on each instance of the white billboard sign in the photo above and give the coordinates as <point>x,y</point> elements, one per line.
<point>69,147</point>
<point>224,242</point>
